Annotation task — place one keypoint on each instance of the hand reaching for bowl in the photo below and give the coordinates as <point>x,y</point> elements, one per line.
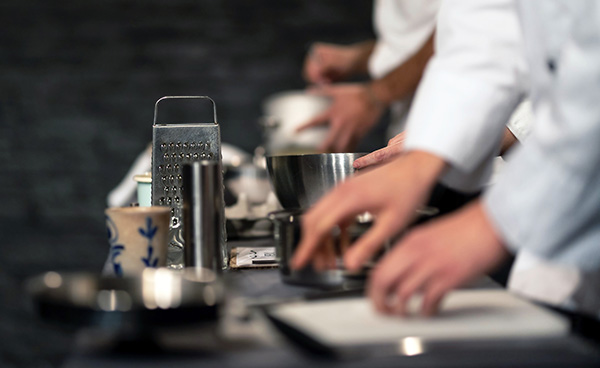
<point>394,148</point>
<point>391,193</point>
<point>431,259</point>
<point>327,63</point>
<point>353,111</point>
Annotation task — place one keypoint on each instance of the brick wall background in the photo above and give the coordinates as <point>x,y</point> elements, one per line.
<point>78,81</point>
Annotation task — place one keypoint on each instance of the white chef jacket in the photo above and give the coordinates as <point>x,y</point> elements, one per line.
<point>401,27</point>
<point>488,53</point>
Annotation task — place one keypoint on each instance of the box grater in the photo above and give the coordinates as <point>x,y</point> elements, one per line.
<point>176,144</point>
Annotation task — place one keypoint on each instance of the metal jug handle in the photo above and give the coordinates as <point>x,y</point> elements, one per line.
<point>185,97</point>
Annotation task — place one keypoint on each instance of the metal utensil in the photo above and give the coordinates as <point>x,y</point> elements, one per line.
<point>203,216</point>
<point>174,145</point>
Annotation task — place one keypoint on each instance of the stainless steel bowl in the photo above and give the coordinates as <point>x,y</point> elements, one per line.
<point>299,181</point>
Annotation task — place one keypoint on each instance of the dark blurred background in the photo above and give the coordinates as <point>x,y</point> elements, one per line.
<point>78,82</point>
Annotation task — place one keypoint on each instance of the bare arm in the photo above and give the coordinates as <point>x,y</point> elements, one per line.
<point>356,108</point>
<point>404,79</point>
<point>327,63</point>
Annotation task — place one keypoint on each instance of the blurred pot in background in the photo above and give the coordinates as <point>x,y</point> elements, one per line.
<point>284,112</point>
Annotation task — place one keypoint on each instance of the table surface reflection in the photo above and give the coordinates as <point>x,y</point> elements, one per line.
<point>247,339</point>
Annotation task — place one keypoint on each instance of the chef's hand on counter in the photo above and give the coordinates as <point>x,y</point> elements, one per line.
<point>353,111</point>
<point>434,258</point>
<point>394,147</point>
<point>392,193</point>
<point>326,63</point>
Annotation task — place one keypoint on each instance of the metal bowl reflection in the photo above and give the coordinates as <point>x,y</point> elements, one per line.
<point>300,180</point>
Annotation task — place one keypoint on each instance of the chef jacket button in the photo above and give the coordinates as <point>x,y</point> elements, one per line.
<point>551,63</point>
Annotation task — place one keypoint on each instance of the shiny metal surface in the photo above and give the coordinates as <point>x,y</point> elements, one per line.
<point>158,297</point>
<point>287,234</point>
<point>175,144</point>
<point>203,216</point>
<point>300,180</point>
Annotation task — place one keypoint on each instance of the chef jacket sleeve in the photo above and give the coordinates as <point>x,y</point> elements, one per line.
<point>548,198</point>
<point>469,89</point>
<point>521,121</point>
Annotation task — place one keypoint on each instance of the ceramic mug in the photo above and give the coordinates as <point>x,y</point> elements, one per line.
<point>138,239</point>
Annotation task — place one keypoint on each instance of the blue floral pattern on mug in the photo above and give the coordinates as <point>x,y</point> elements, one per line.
<point>149,232</point>
<point>115,248</point>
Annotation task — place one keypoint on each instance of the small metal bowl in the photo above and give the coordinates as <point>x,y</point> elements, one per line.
<point>158,298</point>
<point>299,181</point>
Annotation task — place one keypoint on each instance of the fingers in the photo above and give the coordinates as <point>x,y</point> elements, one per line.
<point>383,281</point>
<point>345,139</point>
<point>329,253</point>
<point>433,297</point>
<point>321,119</point>
<point>415,282</point>
<point>323,90</point>
<point>337,207</point>
<point>315,69</point>
<point>398,139</point>
<point>379,156</point>
<point>408,269</point>
<point>345,240</point>
<point>368,244</point>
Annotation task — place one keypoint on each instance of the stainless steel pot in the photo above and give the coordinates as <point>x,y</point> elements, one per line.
<point>299,181</point>
<point>287,233</point>
<point>284,112</point>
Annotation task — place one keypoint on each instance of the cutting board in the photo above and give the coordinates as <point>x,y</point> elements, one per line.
<point>465,315</point>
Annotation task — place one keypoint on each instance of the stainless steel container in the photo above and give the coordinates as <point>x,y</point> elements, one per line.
<point>299,181</point>
<point>203,216</point>
<point>287,234</point>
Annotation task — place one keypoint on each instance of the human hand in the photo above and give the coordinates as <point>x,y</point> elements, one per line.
<point>351,115</point>
<point>394,147</point>
<point>326,63</point>
<point>434,258</point>
<point>391,193</point>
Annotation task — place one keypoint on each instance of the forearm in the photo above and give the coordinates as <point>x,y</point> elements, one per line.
<point>404,79</point>
<point>425,167</point>
<point>362,51</point>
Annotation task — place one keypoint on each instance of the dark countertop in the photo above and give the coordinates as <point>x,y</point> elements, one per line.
<point>249,340</point>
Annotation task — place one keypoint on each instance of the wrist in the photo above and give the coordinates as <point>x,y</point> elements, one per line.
<point>483,227</point>
<point>361,52</point>
<point>426,167</point>
<point>379,92</point>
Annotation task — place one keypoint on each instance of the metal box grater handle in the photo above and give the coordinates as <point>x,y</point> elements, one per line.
<point>174,145</point>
